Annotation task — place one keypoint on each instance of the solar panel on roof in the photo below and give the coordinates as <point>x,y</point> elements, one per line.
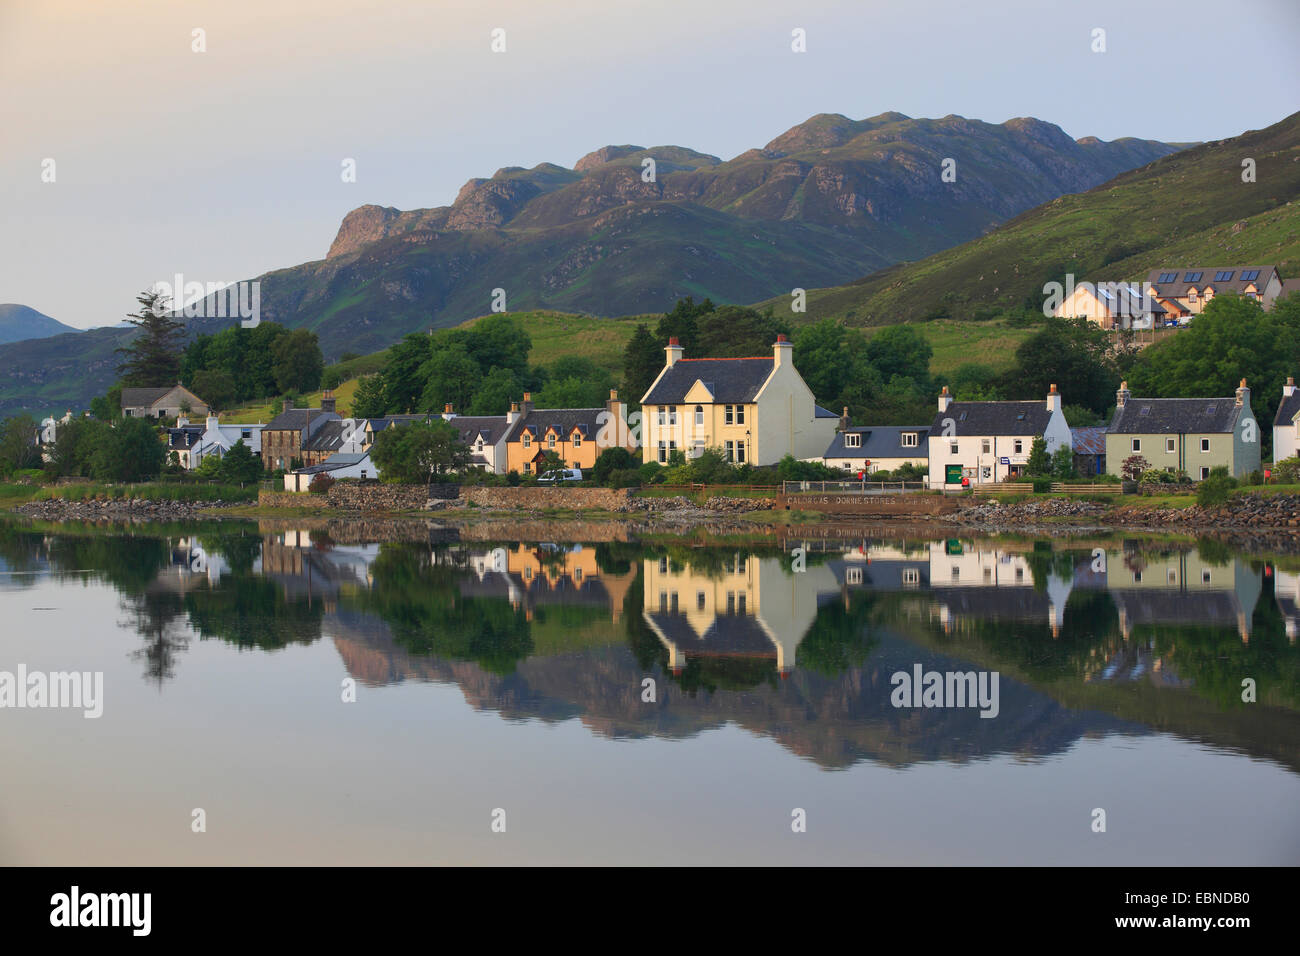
<point>1168,277</point>
<point>1249,275</point>
<point>1193,277</point>
<point>1224,275</point>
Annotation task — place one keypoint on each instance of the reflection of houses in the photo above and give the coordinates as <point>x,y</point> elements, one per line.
<point>304,569</point>
<point>1286,591</point>
<point>970,583</point>
<point>1181,588</point>
<point>530,576</point>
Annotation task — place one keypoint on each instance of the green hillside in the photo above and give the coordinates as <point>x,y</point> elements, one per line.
<point>1189,208</point>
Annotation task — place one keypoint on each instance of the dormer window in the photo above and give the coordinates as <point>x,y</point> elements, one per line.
<point>550,441</point>
<point>852,440</point>
<point>527,440</point>
<point>577,439</point>
<point>909,439</point>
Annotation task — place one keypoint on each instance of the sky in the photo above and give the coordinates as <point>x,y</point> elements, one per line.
<point>227,163</point>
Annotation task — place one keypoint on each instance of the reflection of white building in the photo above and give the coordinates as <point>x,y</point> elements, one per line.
<point>1286,592</point>
<point>970,581</point>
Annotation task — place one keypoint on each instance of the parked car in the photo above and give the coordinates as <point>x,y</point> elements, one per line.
<point>560,475</point>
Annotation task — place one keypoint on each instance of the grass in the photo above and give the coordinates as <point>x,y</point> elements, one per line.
<point>13,493</point>
<point>151,491</point>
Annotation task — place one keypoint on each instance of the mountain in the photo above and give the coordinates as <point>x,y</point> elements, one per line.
<point>1189,208</point>
<point>824,202</point>
<point>19,322</point>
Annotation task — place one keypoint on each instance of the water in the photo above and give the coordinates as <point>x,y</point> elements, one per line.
<point>506,676</point>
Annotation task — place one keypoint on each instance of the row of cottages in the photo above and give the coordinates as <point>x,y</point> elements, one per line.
<point>1286,423</point>
<point>757,409</point>
<point>191,443</point>
<point>1190,435</point>
<point>1176,295</point>
<point>170,401</point>
<point>984,442</point>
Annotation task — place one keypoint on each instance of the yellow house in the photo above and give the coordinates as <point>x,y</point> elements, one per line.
<point>757,410</point>
<point>577,436</point>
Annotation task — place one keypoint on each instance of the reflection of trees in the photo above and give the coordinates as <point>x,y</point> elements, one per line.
<point>240,546</point>
<point>250,611</point>
<point>840,638</point>
<point>20,550</point>
<point>426,613</point>
<point>1044,562</point>
<point>129,562</point>
<point>156,615</point>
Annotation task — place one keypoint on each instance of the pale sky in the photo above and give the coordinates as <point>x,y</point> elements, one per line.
<point>225,164</point>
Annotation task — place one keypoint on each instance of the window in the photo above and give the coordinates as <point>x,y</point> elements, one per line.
<point>731,451</point>
<point>577,440</point>
<point>1205,444</point>
<point>1191,295</point>
<point>1137,577</point>
<point>246,433</point>
<point>1169,446</point>
<point>1172,576</point>
<point>731,602</point>
<point>911,576</point>
<point>674,602</point>
<point>852,441</point>
<point>986,447</point>
<point>853,575</point>
<point>952,448</point>
<point>663,602</point>
<point>699,600</point>
<point>1137,444</point>
<point>527,440</point>
<point>740,414</point>
<point>1168,277</point>
<point>663,565</point>
<point>730,415</point>
<point>699,414</point>
<point>909,440</point>
<point>698,450</point>
<point>1205,576</point>
<point>550,441</point>
<point>1019,446</point>
<point>672,414</point>
<point>740,451</point>
<point>986,472</point>
<point>528,574</point>
<point>1193,277</point>
<point>577,574</point>
<point>1205,472</point>
<point>1223,275</point>
<point>956,573</point>
<point>662,415</point>
<point>740,603</point>
<point>663,453</point>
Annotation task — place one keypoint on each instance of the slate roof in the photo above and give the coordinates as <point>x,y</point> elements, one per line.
<point>819,412</point>
<point>1125,299</point>
<point>334,463</point>
<point>565,420</point>
<point>490,427</point>
<point>186,436</point>
<point>1181,283</point>
<point>880,441</point>
<point>1176,416</point>
<point>143,397</point>
<point>995,418</point>
<point>1289,286</point>
<point>1089,440</point>
<point>735,381</point>
<point>379,424</point>
<point>728,635</point>
<point>1287,410</point>
<point>297,419</point>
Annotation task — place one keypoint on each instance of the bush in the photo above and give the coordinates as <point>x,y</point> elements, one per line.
<point>651,473</point>
<point>321,483</point>
<point>1255,478</point>
<point>512,478</point>
<point>624,478</point>
<point>1216,489</point>
<point>1041,485</point>
<point>1133,467</point>
<point>610,461</point>
<point>1287,471</point>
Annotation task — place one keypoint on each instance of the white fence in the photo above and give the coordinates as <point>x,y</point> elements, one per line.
<point>851,487</point>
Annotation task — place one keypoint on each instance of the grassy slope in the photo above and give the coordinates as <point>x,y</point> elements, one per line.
<point>1190,208</point>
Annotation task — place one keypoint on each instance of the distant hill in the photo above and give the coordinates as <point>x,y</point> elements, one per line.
<point>1187,209</point>
<point>19,322</point>
<point>824,202</point>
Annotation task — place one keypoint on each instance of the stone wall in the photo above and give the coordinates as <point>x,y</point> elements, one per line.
<point>571,498</point>
<point>375,496</point>
<point>286,499</point>
<point>878,505</point>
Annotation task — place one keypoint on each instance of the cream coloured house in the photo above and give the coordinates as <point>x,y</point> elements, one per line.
<point>757,410</point>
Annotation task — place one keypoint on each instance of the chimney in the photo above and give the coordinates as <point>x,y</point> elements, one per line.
<point>781,350</point>
<point>212,422</point>
<point>1289,388</point>
<point>527,405</point>
<point>512,416</point>
<point>945,399</point>
<point>1123,395</point>
<point>327,401</point>
<point>1243,393</point>
<point>614,406</point>
<point>182,421</point>
<point>844,419</point>
<point>1053,399</point>
<point>448,412</point>
<point>674,351</point>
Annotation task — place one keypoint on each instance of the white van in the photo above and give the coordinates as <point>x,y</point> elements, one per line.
<point>561,475</point>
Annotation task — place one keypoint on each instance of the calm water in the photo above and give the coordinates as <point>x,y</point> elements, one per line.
<point>506,676</point>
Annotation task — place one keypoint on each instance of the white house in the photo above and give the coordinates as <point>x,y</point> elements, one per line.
<point>217,439</point>
<point>986,442</point>
<point>1286,423</point>
<point>342,465</point>
<point>872,448</point>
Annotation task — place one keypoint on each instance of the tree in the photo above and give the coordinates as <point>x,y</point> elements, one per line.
<point>610,461</point>
<point>450,375</point>
<point>74,442</point>
<point>416,452</point>
<point>298,362</point>
<point>683,324</point>
<point>643,359</point>
<point>129,451</point>
<point>1063,464</point>
<point>18,448</point>
<point>108,407</point>
<point>1215,489</point>
<point>240,465</point>
<point>1133,466</point>
<point>1069,353</point>
<point>575,382</point>
<point>368,400</point>
<point>495,393</point>
<point>153,356</point>
<point>1040,462</point>
<point>901,350</point>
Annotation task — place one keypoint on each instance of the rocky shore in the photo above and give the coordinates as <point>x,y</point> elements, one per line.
<point>1278,512</point>
<point>120,509</point>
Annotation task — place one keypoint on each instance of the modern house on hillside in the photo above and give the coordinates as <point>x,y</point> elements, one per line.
<point>169,401</point>
<point>1191,435</point>
<point>1114,305</point>
<point>757,410</point>
<point>978,443</point>
<point>1194,287</point>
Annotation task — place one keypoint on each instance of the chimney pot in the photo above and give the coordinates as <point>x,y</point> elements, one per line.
<point>673,341</point>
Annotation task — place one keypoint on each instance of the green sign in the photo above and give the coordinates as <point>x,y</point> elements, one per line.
<point>952,474</point>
